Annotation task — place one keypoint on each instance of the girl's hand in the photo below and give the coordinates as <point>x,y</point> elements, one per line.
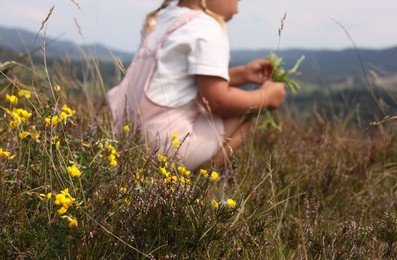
<point>258,71</point>
<point>274,93</point>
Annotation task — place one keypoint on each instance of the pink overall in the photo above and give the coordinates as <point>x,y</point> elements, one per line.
<point>129,104</point>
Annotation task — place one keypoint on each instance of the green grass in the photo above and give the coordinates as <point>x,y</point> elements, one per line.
<point>313,190</point>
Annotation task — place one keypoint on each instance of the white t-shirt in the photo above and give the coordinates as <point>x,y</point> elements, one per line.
<point>200,47</point>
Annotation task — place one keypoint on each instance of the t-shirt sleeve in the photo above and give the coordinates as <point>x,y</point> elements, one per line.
<point>210,55</point>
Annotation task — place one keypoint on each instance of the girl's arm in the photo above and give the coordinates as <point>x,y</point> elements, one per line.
<point>227,101</point>
<point>256,71</point>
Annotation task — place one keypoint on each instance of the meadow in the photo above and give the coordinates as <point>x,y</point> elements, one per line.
<point>308,184</point>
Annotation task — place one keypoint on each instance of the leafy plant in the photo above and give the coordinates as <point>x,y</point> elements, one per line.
<point>280,74</point>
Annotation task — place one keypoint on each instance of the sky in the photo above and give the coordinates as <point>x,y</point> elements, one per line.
<point>309,24</point>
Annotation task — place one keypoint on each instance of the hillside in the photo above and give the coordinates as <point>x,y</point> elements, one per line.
<point>20,40</point>
<point>319,64</point>
<point>325,74</point>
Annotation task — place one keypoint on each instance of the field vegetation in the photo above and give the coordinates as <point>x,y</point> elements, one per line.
<point>321,183</point>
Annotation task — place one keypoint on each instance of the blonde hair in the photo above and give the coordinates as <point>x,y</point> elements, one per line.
<point>150,21</point>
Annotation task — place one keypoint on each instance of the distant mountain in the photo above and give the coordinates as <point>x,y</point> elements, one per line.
<point>321,67</point>
<point>23,41</point>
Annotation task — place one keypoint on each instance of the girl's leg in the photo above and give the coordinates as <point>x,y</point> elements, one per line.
<point>235,132</point>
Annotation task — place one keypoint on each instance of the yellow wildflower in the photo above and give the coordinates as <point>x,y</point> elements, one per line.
<point>49,195</point>
<point>61,211</point>
<point>64,199</point>
<point>24,93</point>
<point>15,123</point>
<point>55,120</point>
<point>164,172</point>
<point>52,120</point>
<point>72,222</point>
<point>182,170</point>
<point>214,176</point>
<point>66,193</point>
<point>21,114</point>
<point>174,179</point>
<point>214,204</point>
<point>231,203</point>
<point>60,199</point>
<point>12,99</point>
<point>74,171</point>
<point>113,163</point>
<point>63,116</point>
<point>199,202</point>
<point>57,88</point>
<point>184,181</point>
<point>112,160</point>
<point>126,128</point>
<point>204,173</point>
<point>23,135</point>
<point>69,111</point>
<point>4,154</point>
<point>175,143</point>
<point>123,189</point>
<point>56,141</point>
<point>46,196</point>
<point>111,157</point>
<point>162,158</point>
<point>36,136</point>
<point>111,148</point>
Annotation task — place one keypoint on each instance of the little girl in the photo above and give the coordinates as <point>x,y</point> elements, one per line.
<point>179,90</point>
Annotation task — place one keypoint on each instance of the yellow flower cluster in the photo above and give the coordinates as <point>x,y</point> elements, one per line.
<point>65,199</point>
<point>52,120</point>
<point>66,111</point>
<point>72,222</point>
<point>167,175</point>
<point>229,203</point>
<point>126,128</point>
<point>162,159</point>
<point>213,176</point>
<point>46,196</point>
<point>18,116</point>
<point>57,88</point>
<point>112,155</point>
<point>183,171</point>
<point>62,117</point>
<point>56,141</point>
<point>13,99</point>
<point>5,154</point>
<point>214,204</point>
<point>182,178</point>
<point>175,141</point>
<point>74,171</point>
<point>35,135</point>
<point>24,93</point>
